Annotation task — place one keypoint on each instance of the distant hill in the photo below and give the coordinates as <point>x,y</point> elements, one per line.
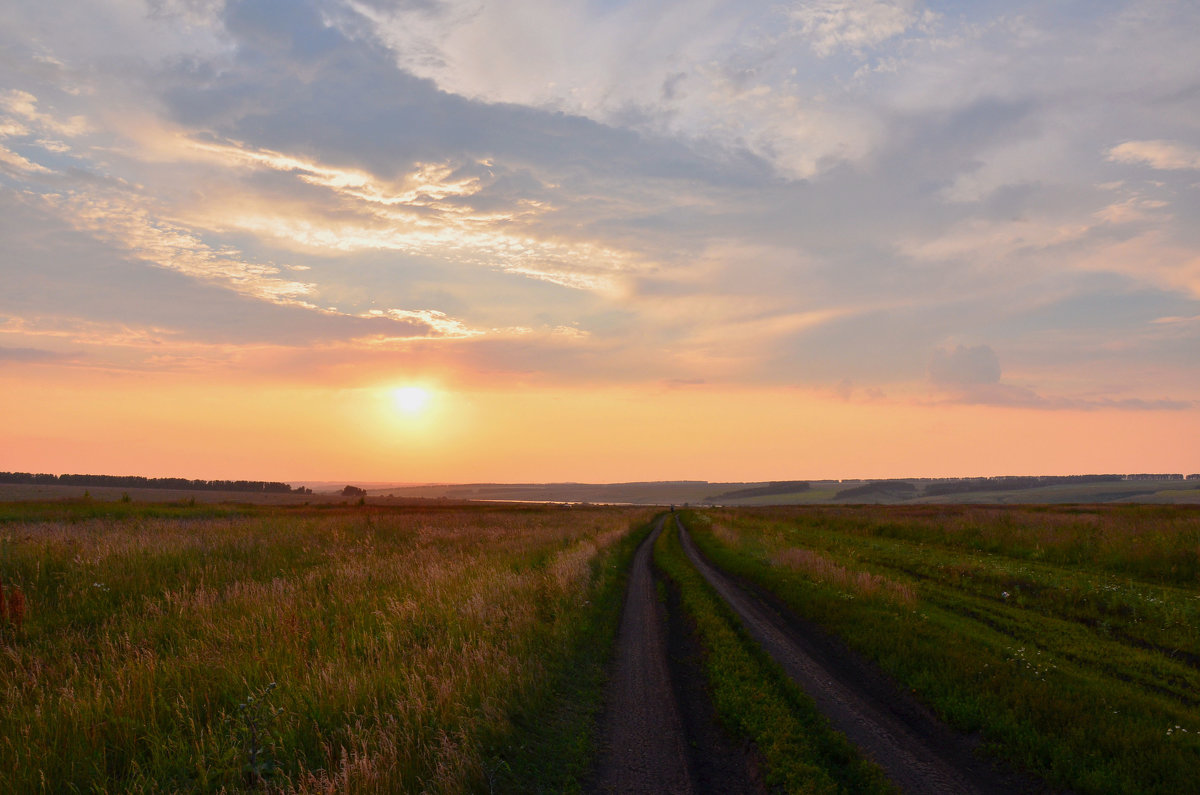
<point>139,482</point>
<point>772,489</point>
<point>886,489</point>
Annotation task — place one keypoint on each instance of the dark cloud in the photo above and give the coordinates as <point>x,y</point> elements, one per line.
<point>24,355</point>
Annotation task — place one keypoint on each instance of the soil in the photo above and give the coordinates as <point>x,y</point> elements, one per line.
<point>659,730</point>
<point>642,745</point>
<point>918,753</point>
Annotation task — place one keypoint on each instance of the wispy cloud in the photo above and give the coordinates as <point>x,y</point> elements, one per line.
<point>123,219</point>
<point>1164,155</point>
<point>831,25</point>
<point>964,365</point>
<point>1008,395</point>
<point>25,355</point>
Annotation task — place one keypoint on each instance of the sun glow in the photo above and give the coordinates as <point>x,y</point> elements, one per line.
<point>411,399</point>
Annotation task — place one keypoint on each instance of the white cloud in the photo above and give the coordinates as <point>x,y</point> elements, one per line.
<point>832,25</point>
<point>713,73</point>
<point>426,211</point>
<point>24,106</point>
<point>442,325</point>
<point>124,219</point>
<point>1163,155</point>
<point>13,162</point>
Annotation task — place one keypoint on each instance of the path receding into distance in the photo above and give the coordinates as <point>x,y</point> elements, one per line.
<point>642,739</point>
<point>918,753</point>
<point>647,747</point>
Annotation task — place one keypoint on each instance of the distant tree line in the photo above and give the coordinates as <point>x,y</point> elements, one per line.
<point>139,482</point>
<point>1014,483</point>
<point>771,489</point>
<point>892,489</point>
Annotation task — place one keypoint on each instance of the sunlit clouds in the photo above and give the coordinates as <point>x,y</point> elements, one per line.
<point>593,223</point>
<point>1169,155</point>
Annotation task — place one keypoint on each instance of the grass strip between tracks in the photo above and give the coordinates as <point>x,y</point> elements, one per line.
<point>755,700</point>
<point>1090,709</point>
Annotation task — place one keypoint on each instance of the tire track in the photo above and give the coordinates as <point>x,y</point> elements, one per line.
<point>643,747</point>
<point>918,753</point>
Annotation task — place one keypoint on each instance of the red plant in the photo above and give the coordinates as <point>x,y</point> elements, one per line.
<point>16,607</point>
<point>12,609</point>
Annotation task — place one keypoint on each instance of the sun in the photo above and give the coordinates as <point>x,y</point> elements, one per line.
<point>411,399</point>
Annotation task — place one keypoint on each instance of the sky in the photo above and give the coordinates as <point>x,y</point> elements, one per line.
<point>596,240</point>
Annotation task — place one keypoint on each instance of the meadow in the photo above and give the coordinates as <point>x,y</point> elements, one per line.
<point>1066,638</point>
<point>305,649</point>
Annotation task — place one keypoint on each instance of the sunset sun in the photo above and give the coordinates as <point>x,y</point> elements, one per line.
<point>411,399</point>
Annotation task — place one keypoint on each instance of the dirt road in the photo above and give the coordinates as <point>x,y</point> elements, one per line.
<point>660,732</point>
<point>917,752</point>
<point>642,740</point>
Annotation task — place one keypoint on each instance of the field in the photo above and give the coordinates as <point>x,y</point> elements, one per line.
<point>1067,638</point>
<point>206,647</point>
<point>352,649</point>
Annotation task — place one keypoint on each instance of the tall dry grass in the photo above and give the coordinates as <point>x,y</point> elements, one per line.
<point>1156,543</point>
<point>402,642</point>
<point>860,583</point>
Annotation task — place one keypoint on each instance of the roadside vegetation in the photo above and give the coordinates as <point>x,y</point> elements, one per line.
<point>179,648</point>
<point>1067,637</point>
<point>755,700</point>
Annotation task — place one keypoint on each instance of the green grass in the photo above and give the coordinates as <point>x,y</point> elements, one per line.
<point>1067,637</point>
<point>82,509</point>
<point>413,649</point>
<point>755,700</point>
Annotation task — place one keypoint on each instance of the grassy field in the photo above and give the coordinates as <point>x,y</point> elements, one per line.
<point>755,700</point>
<point>1068,637</point>
<point>312,649</point>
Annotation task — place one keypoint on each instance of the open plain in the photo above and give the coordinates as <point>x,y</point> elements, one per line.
<point>203,647</point>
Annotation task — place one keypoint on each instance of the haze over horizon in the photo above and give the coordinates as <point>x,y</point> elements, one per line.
<point>468,241</point>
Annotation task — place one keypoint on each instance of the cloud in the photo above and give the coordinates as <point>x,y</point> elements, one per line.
<point>25,355</point>
<point>964,366</point>
<point>24,106</point>
<point>832,25</point>
<point>122,218</point>
<point>794,193</point>
<point>1163,155</point>
<point>723,78</point>
<point>1022,397</point>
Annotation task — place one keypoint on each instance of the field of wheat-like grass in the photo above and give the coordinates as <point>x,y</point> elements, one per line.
<point>323,649</point>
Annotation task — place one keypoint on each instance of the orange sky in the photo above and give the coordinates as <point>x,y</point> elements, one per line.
<point>162,426</point>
